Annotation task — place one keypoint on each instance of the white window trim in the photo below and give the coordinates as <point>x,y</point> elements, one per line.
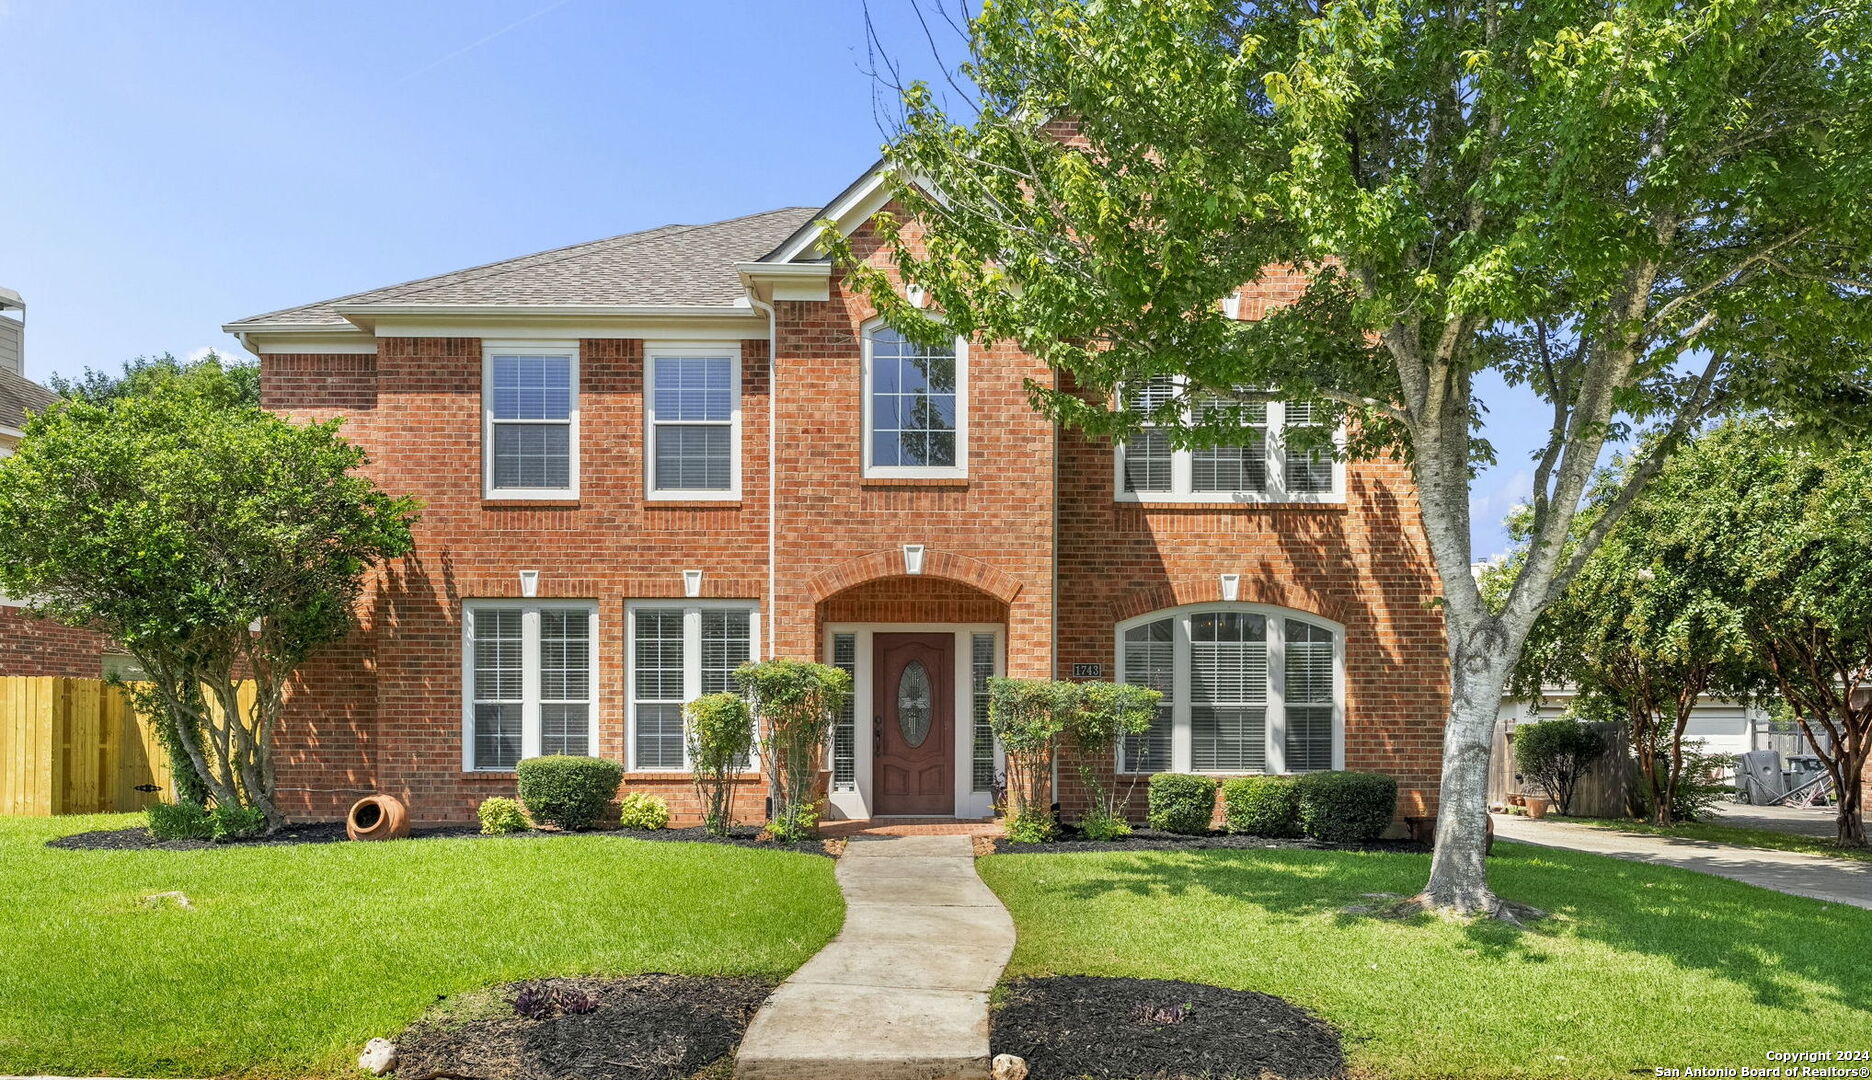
<point>732,351</point>
<point>490,349</point>
<point>1182,472</point>
<point>531,738</point>
<point>692,663</point>
<point>957,471</point>
<point>1275,732</point>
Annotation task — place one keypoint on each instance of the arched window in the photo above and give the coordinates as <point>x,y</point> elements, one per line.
<point>915,406</point>
<point>1247,689</point>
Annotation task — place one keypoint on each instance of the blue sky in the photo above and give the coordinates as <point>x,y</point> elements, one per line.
<point>166,168</point>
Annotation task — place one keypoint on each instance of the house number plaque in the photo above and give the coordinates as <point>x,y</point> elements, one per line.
<point>1088,671</point>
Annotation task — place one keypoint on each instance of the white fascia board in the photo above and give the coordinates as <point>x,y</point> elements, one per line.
<point>786,281</point>
<point>707,324</point>
<point>854,206</point>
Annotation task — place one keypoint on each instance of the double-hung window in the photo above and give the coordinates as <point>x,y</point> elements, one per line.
<point>677,652</point>
<point>915,406</point>
<point>694,423</point>
<point>530,673</point>
<point>1247,689</point>
<point>1261,467</point>
<point>530,422</point>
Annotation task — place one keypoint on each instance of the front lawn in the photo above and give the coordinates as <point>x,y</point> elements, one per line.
<point>1642,966</point>
<point>1739,835</point>
<point>294,956</point>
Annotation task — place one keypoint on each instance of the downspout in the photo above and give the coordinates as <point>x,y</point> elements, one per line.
<point>773,462</point>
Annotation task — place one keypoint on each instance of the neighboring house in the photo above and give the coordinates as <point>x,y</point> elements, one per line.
<point>30,646</point>
<point>624,499</point>
<point>1720,726</point>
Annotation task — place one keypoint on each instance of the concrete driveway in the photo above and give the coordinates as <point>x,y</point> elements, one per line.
<point>1841,881</point>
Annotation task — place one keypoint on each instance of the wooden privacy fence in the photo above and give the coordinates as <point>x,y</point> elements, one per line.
<point>1610,789</point>
<point>75,746</point>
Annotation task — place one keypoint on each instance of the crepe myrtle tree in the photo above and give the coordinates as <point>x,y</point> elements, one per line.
<point>214,541</point>
<point>1640,633</point>
<point>1643,212</point>
<point>1779,528</point>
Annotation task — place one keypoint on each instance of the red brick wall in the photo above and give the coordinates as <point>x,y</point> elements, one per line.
<point>1364,564</point>
<point>30,646</point>
<point>384,712</point>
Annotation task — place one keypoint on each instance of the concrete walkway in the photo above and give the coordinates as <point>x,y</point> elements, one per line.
<point>902,992</point>
<point>1842,881</point>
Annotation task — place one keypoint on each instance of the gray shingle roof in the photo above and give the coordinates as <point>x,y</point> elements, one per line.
<point>19,394</point>
<point>681,265</point>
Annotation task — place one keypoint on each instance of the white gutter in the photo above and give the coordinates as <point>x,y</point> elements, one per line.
<point>773,463</point>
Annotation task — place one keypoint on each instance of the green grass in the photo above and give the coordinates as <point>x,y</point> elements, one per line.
<point>294,956</point>
<point>1739,835</point>
<point>1641,966</point>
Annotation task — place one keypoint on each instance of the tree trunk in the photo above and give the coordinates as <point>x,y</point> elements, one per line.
<point>1849,809</point>
<point>1478,670</point>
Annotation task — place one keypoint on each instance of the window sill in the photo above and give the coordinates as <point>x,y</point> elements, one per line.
<point>529,504</point>
<point>651,775</point>
<point>692,504</point>
<point>1334,505</point>
<point>953,482</point>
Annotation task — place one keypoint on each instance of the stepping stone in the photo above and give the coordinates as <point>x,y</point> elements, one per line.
<point>902,992</point>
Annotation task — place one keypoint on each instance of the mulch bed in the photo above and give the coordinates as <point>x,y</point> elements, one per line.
<point>647,1027</point>
<point>331,832</point>
<point>1074,1026</point>
<point>1154,840</point>
<point>321,832</point>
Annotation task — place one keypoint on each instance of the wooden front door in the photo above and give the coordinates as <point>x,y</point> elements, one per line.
<point>913,723</point>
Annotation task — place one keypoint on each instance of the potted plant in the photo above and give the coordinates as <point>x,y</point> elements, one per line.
<point>1537,806</point>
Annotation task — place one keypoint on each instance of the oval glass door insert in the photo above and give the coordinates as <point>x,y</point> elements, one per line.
<point>913,703</point>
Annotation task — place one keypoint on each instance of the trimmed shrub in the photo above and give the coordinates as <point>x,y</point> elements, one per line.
<point>795,702</point>
<point>1027,717</point>
<point>1555,754</point>
<point>720,732</point>
<point>180,821</point>
<point>1346,807</point>
<point>642,810</point>
<point>568,792</point>
<point>1182,802</point>
<point>1262,806</point>
<point>502,815</point>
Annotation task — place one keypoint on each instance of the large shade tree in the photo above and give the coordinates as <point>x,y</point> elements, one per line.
<point>214,541</point>
<point>1643,212</point>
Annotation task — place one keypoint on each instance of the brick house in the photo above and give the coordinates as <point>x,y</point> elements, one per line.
<point>625,496</point>
<point>30,646</point>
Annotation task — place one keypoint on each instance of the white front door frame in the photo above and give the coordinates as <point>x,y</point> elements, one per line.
<point>968,802</point>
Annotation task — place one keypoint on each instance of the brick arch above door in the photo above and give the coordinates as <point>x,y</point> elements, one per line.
<point>889,563</point>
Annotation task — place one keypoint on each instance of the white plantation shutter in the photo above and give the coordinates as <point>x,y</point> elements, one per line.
<point>657,686</point>
<point>499,658</point>
<point>1308,692</point>
<point>1228,692</point>
<point>565,682</point>
<point>528,670</point>
<point>1149,660</point>
<point>1223,469</point>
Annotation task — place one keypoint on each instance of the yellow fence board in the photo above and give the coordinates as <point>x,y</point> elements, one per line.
<point>76,746</point>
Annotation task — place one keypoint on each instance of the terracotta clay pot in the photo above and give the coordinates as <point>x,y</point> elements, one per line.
<point>1537,806</point>
<point>377,817</point>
